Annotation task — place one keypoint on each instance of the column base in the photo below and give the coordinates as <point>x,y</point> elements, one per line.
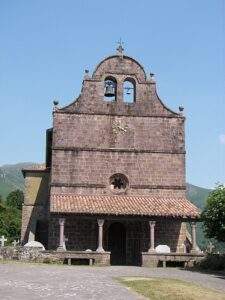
<point>195,251</point>
<point>61,248</point>
<point>101,250</point>
<point>151,251</point>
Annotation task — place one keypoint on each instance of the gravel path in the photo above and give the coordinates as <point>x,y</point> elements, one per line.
<point>32,281</point>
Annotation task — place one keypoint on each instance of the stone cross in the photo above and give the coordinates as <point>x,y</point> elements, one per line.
<point>3,240</point>
<point>15,243</point>
<point>210,247</point>
<point>120,48</point>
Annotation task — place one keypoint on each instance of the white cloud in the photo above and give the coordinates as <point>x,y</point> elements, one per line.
<point>222,138</point>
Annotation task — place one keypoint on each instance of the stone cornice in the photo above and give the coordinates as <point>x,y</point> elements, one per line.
<point>177,116</point>
<point>78,149</point>
<point>136,186</point>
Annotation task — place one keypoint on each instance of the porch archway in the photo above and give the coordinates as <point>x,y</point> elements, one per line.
<point>117,243</point>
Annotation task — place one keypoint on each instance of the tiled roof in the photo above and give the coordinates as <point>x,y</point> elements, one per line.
<point>123,205</point>
<point>35,168</point>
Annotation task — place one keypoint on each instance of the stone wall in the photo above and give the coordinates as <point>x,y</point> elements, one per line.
<point>94,139</point>
<point>94,131</point>
<point>21,253</point>
<point>80,232</point>
<point>96,167</point>
<point>153,260</point>
<point>29,254</point>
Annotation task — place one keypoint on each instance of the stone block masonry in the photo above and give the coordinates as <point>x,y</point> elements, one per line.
<point>98,147</point>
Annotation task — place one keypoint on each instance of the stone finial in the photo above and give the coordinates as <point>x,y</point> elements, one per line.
<point>181,108</point>
<point>55,103</point>
<point>86,74</point>
<point>152,78</point>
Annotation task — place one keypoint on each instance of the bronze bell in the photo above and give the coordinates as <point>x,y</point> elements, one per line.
<point>109,91</point>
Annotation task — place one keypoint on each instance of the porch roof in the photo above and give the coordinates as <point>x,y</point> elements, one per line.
<point>121,205</point>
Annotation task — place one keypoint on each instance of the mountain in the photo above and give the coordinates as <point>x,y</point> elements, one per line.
<point>197,195</point>
<point>11,178</point>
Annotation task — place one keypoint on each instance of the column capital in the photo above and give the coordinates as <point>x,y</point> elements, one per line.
<point>61,221</point>
<point>100,222</point>
<point>152,223</point>
<point>193,224</point>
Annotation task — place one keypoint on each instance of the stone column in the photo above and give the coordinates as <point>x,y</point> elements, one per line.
<point>100,235</point>
<point>152,236</point>
<point>119,92</point>
<point>61,235</point>
<point>193,234</point>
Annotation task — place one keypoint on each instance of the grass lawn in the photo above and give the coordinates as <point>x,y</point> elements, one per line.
<point>170,289</point>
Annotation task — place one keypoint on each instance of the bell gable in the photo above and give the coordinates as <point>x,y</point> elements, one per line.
<point>111,84</point>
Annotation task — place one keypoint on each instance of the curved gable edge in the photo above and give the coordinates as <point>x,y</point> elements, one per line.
<point>124,56</point>
<point>165,106</point>
<point>71,105</point>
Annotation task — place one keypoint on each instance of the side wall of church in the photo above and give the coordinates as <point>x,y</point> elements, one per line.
<point>35,207</point>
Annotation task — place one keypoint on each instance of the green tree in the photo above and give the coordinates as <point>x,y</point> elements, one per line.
<point>213,215</point>
<point>15,199</point>
<point>10,223</point>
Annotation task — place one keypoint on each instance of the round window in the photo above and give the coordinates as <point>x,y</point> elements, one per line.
<point>118,183</point>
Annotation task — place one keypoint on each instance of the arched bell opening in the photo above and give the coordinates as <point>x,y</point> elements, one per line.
<point>110,87</point>
<point>129,91</point>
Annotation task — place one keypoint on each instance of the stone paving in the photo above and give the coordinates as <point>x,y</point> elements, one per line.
<point>32,281</point>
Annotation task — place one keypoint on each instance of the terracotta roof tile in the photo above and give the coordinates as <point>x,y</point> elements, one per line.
<point>123,205</point>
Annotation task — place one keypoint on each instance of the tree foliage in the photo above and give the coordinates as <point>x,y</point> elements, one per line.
<point>213,216</point>
<point>10,215</point>
<point>10,223</point>
<point>15,199</point>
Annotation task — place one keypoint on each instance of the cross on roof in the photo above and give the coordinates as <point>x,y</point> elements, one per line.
<point>120,48</point>
<point>3,240</point>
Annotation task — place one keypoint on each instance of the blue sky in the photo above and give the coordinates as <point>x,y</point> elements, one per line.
<point>46,46</point>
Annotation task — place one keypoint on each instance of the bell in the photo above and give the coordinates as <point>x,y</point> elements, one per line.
<point>109,91</point>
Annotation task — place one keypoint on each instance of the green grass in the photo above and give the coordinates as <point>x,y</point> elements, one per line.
<point>170,289</point>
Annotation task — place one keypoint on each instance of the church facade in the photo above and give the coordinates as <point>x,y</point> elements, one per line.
<point>114,178</point>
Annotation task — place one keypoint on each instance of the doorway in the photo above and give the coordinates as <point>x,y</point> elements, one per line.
<point>117,243</point>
